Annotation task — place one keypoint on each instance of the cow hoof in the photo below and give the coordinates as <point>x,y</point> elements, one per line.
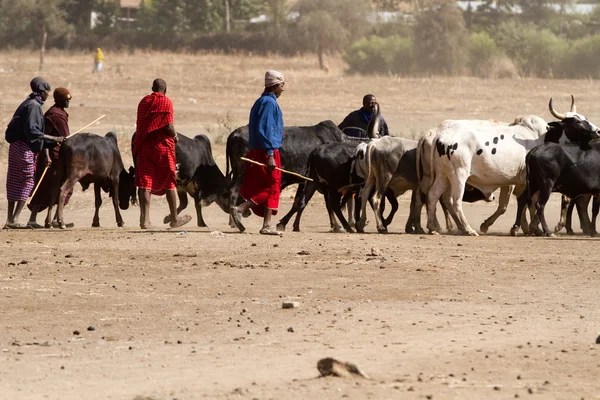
<point>594,234</point>
<point>62,226</point>
<point>472,233</point>
<point>559,227</point>
<point>570,232</point>
<point>550,234</point>
<point>434,233</point>
<point>349,230</point>
<point>120,225</point>
<point>246,213</point>
<point>167,220</point>
<point>419,231</point>
<point>94,225</point>
<point>281,227</point>
<point>514,231</point>
<point>382,230</point>
<point>484,228</point>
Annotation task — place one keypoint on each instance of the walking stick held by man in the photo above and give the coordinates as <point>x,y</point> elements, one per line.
<point>48,165</point>
<point>277,168</point>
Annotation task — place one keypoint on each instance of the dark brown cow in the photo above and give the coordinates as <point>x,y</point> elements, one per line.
<point>88,158</point>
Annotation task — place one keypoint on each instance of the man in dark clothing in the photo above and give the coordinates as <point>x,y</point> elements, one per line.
<point>56,124</point>
<point>261,187</point>
<point>25,133</point>
<point>356,123</point>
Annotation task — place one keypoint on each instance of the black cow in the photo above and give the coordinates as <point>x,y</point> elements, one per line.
<point>88,158</point>
<point>298,143</point>
<point>571,169</point>
<point>199,176</point>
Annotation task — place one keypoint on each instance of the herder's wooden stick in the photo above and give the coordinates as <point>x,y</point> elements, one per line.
<point>277,168</point>
<point>87,126</point>
<point>38,184</point>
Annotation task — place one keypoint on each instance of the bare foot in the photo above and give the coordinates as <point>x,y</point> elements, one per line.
<point>181,221</point>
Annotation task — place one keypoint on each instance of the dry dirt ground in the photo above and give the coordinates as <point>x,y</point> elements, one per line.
<point>114,313</point>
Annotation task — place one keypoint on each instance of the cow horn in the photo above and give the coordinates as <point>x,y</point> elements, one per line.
<point>573,106</point>
<point>553,112</point>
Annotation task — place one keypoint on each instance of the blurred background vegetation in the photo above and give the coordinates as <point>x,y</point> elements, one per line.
<point>488,39</point>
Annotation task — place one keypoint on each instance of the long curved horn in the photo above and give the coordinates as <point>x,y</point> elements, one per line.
<point>573,106</point>
<point>553,112</point>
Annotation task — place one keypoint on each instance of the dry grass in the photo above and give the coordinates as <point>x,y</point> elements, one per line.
<point>213,93</point>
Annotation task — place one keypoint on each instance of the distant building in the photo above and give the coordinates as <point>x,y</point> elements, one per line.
<point>127,13</point>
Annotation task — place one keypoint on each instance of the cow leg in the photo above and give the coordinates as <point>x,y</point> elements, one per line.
<point>304,196</point>
<point>333,222</point>
<point>419,200</point>
<point>97,204</point>
<point>437,189</point>
<point>115,201</point>
<point>295,207</point>
<point>394,204</point>
<point>410,221</point>
<point>48,220</point>
<point>445,204</point>
<point>566,210</point>
<point>365,196</point>
<point>582,203</point>
<point>522,201</point>
<point>540,204</point>
<point>183,203</point>
<point>595,209</point>
<point>457,189</point>
<point>350,209</point>
<point>505,192</point>
<point>334,203</point>
<point>198,206</point>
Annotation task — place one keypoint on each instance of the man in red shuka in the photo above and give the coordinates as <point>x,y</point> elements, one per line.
<point>154,151</point>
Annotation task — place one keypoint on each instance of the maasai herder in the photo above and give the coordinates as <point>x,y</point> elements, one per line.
<point>154,152</point>
<point>261,186</point>
<point>25,133</point>
<point>56,124</point>
<point>356,123</point>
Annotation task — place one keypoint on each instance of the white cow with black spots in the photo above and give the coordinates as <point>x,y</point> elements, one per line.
<point>488,155</point>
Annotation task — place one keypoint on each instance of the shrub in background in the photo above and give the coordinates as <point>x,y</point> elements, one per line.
<point>376,55</point>
<point>582,59</point>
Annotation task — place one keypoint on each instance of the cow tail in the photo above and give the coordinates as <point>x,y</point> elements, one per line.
<point>227,156</point>
<point>419,155</point>
<point>431,157</point>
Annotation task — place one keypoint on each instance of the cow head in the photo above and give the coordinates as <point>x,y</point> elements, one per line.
<point>576,126</point>
<point>127,188</point>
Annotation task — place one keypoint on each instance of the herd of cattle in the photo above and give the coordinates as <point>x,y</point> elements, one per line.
<point>459,160</point>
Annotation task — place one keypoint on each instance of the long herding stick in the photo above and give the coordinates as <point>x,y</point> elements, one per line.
<point>87,126</point>
<point>277,168</point>
<point>47,166</point>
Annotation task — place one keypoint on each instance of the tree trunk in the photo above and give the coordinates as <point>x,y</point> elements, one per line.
<point>43,48</point>
<point>227,17</point>
<point>322,59</point>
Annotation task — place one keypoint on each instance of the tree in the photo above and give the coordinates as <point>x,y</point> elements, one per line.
<point>33,22</point>
<point>441,38</point>
<point>328,27</point>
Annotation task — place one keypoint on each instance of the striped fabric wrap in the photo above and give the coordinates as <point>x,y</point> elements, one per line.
<point>21,171</point>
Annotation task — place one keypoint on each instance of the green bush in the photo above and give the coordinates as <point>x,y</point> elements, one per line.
<point>582,59</point>
<point>535,52</point>
<point>441,40</point>
<point>376,55</point>
<point>482,49</point>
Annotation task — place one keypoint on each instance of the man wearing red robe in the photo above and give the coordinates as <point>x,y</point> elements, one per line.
<point>154,151</point>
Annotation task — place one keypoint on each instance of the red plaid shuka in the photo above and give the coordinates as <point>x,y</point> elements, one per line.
<point>260,185</point>
<point>153,147</point>
<point>21,171</point>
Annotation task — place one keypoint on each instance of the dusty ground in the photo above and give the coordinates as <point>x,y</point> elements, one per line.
<point>197,313</point>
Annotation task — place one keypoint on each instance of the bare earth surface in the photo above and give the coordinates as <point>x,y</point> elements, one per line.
<point>113,313</point>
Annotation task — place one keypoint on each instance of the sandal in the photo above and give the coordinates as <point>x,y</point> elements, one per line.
<point>237,219</point>
<point>55,224</point>
<point>181,221</point>
<point>270,231</point>
<point>34,225</point>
